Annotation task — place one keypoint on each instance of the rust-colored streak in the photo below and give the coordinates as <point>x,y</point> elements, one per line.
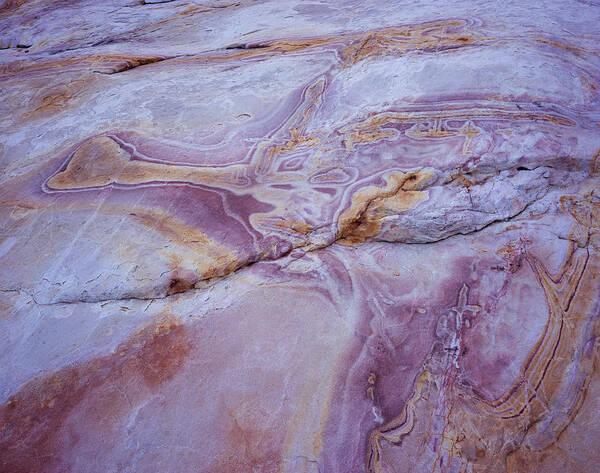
<point>102,63</point>
<point>572,48</point>
<point>371,204</point>
<point>10,5</point>
<point>31,435</point>
<point>214,260</point>
<point>296,226</point>
<point>178,285</point>
<point>163,350</point>
<point>352,139</point>
<point>56,99</point>
<point>296,127</point>
<point>434,36</point>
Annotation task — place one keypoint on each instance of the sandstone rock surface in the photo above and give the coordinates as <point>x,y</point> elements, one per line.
<point>299,236</point>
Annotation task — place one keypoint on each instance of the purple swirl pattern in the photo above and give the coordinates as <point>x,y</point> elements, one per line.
<point>300,237</point>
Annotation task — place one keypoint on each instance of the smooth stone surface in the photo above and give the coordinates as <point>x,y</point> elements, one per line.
<point>287,236</point>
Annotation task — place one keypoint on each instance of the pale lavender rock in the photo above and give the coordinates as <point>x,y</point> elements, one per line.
<point>284,236</point>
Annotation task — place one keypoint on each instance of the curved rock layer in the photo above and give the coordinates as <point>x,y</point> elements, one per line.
<point>285,236</point>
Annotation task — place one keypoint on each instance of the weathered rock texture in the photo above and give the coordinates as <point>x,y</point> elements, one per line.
<point>288,236</point>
